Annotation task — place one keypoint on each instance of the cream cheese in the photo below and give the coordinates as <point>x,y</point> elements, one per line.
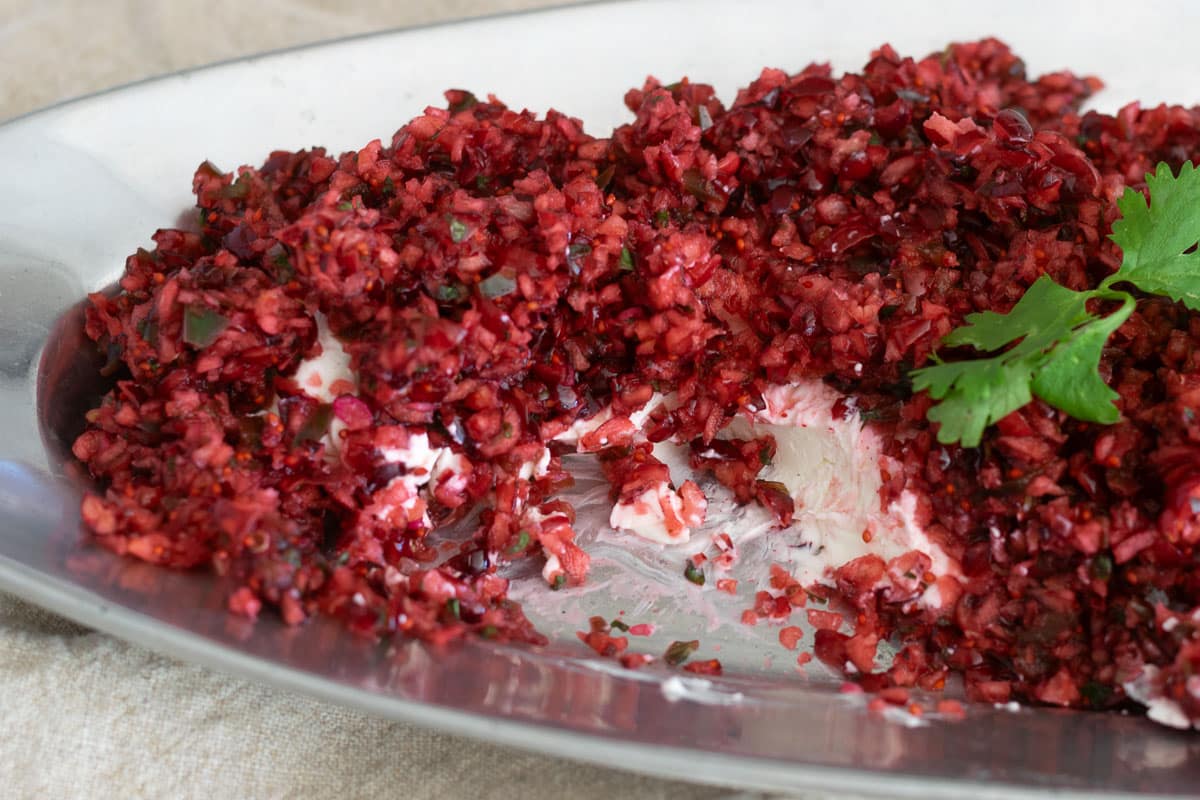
<point>318,376</point>
<point>831,468</point>
<point>652,514</point>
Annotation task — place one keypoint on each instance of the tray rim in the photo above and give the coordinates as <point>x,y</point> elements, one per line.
<point>660,761</point>
<point>81,605</point>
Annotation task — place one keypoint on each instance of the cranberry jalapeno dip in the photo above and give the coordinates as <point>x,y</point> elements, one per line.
<point>355,352</point>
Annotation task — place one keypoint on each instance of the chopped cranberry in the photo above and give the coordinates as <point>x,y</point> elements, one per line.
<point>790,636</point>
<point>494,278</point>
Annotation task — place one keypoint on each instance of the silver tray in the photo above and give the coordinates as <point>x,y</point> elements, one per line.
<point>85,183</point>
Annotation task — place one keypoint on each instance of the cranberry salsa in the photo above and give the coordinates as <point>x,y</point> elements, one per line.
<point>352,353</point>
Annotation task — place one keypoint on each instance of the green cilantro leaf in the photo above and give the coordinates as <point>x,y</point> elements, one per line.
<point>974,394</point>
<point>1050,344</point>
<point>1042,314</point>
<point>1155,237</point>
<point>1070,379</point>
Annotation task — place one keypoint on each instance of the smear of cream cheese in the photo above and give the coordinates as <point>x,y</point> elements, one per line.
<point>537,468</point>
<point>1163,710</point>
<point>582,427</point>
<point>831,468</point>
<point>829,465</point>
<point>648,515</point>
<point>417,458</point>
<point>420,462</point>
<point>319,375</point>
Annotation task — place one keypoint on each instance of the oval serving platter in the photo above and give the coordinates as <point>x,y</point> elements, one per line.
<point>86,182</point>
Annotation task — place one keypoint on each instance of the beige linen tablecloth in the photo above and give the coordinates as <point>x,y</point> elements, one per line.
<point>86,715</point>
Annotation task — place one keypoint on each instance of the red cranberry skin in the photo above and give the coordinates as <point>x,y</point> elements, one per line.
<point>1011,127</point>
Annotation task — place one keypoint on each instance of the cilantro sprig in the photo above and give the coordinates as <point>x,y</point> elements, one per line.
<point>1049,345</point>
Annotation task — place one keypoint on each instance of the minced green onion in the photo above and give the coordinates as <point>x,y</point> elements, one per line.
<point>497,285</point>
<point>626,260</point>
<point>521,543</point>
<point>448,292</point>
<point>202,325</point>
<point>679,652</point>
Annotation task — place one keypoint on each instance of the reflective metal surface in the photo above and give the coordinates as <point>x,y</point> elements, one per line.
<point>85,183</point>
